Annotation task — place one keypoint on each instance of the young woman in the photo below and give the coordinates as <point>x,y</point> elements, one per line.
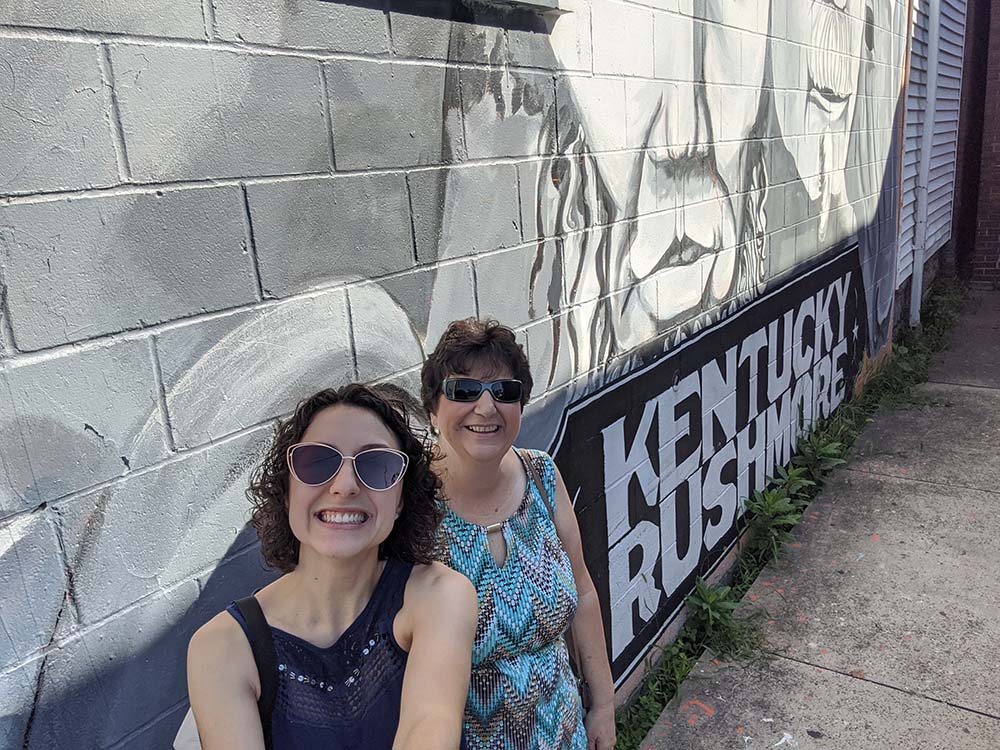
<point>371,639</point>
<point>510,527</point>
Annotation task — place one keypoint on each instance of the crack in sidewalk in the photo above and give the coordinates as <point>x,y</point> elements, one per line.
<point>951,485</point>
<point>898,689</point>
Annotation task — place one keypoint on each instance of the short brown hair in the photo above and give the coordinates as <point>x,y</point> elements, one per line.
<point>413,536</point>
<point>466,343</point>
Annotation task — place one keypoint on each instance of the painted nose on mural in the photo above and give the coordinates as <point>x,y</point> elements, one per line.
<point>687,179</point>
<point>684,117</point>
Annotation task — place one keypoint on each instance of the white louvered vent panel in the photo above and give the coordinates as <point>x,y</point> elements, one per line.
<point>916,109</point>
<point>944,152</point>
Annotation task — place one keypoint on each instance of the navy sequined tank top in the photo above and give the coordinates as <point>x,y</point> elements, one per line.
<point>344,697</point>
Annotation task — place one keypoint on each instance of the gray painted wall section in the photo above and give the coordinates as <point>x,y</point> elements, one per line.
<point>209,209</point>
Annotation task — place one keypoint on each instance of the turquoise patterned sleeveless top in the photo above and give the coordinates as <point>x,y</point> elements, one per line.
<point>522,694</point>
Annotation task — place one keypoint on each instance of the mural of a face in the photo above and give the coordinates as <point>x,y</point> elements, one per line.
<point>674,221</point>
<point>692,166</point>
<point>818,112</point>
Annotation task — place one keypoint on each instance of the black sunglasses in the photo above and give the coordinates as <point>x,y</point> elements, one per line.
<point>505,391</point>
<point>378,469</point>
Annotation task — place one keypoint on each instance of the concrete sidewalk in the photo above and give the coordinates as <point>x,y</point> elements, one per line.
<point>883,620</point>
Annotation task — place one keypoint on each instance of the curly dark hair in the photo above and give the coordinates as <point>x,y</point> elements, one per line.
<point>413,536</point>
<point>467,343</point>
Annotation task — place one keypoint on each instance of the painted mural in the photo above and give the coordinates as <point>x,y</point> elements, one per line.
<point>662,486</point>
<point>699,260</point>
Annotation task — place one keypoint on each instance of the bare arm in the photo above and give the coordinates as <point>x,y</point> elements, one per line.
<point>441,610</point>
<point>223,686</point>
<point>587,628</point>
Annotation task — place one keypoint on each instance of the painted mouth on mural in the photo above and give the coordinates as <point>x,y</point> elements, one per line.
<point>701,224</point>
<point>685,251</point>
<point>830,102</point>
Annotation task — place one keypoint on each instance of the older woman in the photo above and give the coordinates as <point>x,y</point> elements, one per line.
<point>510,527</point>
<point>368,640</point>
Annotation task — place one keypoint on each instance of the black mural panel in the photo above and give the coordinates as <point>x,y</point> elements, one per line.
<point>659,463</point>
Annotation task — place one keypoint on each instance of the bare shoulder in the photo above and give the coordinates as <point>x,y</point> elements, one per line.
<point>219,631</point>
<point>436,599</point>
<point>436,583</point>
<point>219,650</point>
<point>223,685</point>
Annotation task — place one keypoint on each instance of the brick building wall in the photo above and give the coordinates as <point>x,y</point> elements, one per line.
<point>970,140</point>
<point>984,268</point>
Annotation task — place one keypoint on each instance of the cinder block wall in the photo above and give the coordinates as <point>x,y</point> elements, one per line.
<point>211,208</point>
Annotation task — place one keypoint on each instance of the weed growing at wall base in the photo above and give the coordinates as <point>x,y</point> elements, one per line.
<point>714,622</point>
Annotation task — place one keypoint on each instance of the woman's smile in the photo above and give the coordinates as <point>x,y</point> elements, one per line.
<point>342,518</point>
<point>483,429</point>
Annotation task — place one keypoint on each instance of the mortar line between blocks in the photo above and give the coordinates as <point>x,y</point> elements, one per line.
<point>251,244</point>
<point>324,89</point>
<point>886,685</point>
<point>413,224</point>
<point>7,340</point>
<point>555,115</point>
<point>136,187</point>
<point>117,130</point>
<point>464,156</point>
<point>208,14</point>
<point>475,287</point>
<point>182,454</point>
<point>56,520</point>
<point>350,332</point>
<point>520,206</point>
<point>104,340</point>
<point>387,10</point>
<point>266,50</point>
<point>590,39</point>
<point>921,481</point>
<point>161,397</point>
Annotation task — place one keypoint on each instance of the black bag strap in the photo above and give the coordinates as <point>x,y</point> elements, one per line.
<point>264,656</point>
<point>529,465</point>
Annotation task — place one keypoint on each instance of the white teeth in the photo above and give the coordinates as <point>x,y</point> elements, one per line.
<point>483,428</point>
<point>329,516</point>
